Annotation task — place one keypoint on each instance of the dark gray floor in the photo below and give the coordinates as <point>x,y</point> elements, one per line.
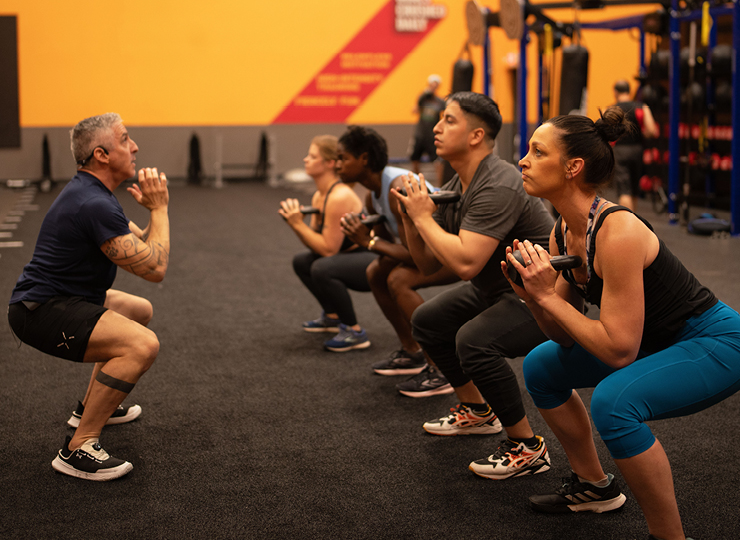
<point>251,430</point>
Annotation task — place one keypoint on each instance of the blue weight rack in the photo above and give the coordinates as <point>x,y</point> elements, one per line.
<point>676,16</point>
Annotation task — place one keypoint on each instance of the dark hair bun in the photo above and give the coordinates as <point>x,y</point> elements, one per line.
<point>612,124</point>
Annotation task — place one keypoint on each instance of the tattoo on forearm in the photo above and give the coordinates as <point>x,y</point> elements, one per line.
<point>111,252</point>
<point>136,256</point>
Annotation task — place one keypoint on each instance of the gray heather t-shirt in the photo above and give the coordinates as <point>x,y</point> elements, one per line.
<point>496,205</point>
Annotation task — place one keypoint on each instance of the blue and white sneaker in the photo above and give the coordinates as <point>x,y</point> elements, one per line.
<point>347,339</point>
<point>322,324</point>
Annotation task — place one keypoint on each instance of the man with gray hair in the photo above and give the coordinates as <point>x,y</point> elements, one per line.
<point>63,304</point>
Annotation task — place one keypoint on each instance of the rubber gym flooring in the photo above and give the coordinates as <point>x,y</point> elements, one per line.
<point>251,430</point>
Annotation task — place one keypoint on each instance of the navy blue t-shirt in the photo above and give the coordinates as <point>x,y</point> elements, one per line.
<point>67,260</point>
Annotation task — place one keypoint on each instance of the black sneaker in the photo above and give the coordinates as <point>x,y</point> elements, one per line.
<point>401,363</point>
<point>577,496</point>
<point>120,416</point>
<point>90,462</point>
<point>428,382</point>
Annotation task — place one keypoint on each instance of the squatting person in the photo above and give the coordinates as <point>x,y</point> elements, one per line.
<point>63,304</point>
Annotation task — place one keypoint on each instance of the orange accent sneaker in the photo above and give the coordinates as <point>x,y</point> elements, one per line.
<point>511,459</point>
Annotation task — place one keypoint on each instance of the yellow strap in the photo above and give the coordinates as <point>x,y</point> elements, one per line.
<point>706,24</point>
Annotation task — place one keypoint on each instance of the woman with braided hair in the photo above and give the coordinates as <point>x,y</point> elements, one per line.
<point>663,344</point>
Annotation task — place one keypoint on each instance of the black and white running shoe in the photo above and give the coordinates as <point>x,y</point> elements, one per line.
<point>428,382</point>
<point>577,496</point>
<point>120,416</point>
<point>90,462</point>
<point>401,362</point>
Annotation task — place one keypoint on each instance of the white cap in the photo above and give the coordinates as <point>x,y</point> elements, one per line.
<point>434,79</point>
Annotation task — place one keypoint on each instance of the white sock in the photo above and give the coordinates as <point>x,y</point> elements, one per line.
<point>604,482</point>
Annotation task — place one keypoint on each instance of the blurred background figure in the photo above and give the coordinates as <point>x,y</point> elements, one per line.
<point>429,107</point>
<point>628,149</point>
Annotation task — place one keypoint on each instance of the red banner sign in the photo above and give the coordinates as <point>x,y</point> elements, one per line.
<point>352,75</point>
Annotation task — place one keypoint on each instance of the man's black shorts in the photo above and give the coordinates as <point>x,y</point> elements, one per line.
<point>60,327</point>
<point>424,145</point>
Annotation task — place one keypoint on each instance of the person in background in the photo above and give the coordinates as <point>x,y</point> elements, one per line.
<point>363,158</point>
<point>329,250</point>
<point>629,148</point>
<point>429,106</point>
<point>364,153</point>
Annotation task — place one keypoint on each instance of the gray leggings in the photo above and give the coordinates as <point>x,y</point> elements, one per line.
<point>328,279</point>
<point>470,338</point>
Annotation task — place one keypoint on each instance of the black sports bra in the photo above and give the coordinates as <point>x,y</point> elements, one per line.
<point>346,243</point>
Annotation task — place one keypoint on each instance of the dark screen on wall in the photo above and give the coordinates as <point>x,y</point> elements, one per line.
<point>10,128</point>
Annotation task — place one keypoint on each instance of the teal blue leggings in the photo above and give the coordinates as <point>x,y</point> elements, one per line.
<point>700,368</point>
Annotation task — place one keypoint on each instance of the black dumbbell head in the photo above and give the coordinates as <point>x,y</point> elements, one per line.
<point>559,263</point>
<point>372,220</point>
<point>444,197</point>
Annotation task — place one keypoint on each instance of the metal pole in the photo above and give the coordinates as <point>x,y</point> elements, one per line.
<point>219,182</point>
<point>674,110</point>
<point>735,178</point>
<point>540,112</point>
<point>523,127</point>
<point>643,68</point>
<point>487,62</point>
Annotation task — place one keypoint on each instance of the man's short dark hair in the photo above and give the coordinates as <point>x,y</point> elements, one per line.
<point>358,140</point>
<point>482,107</point>
<point>623,87</point>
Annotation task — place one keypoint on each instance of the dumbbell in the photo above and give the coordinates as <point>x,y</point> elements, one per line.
<point>559,262</point>
<point>306,210</point>
<point>367,220</point>
<point>438,197</point>
<point>372,220</point>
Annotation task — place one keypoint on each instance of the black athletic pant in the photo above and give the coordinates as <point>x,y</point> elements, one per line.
<point>328,279</point>
<point>471,338</point>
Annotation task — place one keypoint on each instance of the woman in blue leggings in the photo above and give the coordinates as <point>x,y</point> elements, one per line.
<point>663,345</point>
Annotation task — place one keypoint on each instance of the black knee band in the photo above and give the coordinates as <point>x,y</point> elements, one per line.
<point>112,382</point>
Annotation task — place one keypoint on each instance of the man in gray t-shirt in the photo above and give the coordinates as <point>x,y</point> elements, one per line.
<point>469,331</point>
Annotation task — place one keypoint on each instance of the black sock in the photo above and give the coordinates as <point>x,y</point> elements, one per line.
<point>532,442</point>
<point>481,409</point>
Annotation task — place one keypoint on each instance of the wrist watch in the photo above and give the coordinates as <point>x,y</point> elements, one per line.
<point>371,243</point>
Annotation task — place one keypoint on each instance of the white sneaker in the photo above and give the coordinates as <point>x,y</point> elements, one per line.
<point>463,421</point>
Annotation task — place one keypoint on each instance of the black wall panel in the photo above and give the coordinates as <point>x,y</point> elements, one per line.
<point>10,127</point>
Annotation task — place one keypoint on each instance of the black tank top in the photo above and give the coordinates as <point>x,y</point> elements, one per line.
<point>672,293</point>
<point>346,243</point>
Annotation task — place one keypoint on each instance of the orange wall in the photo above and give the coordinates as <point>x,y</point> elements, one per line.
<point>236,62</point>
